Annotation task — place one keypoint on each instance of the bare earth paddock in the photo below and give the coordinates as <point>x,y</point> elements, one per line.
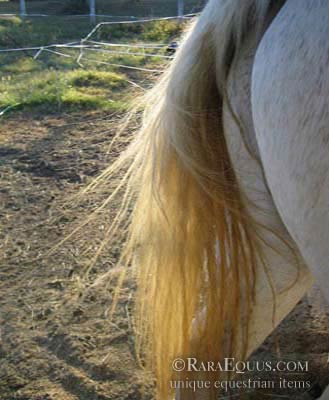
<point>53,351</point>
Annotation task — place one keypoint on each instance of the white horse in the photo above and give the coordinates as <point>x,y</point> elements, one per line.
<point>229,176</point>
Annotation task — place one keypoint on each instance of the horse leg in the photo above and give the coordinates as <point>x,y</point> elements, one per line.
<point>325,394</point>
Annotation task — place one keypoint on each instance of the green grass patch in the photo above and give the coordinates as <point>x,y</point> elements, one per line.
<point>164,30</point>
<point>16,32</point>
<point>102,79</point>
<point>22,65</point>
<point>53,90</point>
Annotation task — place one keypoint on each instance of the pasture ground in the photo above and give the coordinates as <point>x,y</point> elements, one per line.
<point>56,344</point>
<point>68,350</point>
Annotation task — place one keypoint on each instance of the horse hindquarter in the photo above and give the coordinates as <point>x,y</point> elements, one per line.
<point>290,106</point>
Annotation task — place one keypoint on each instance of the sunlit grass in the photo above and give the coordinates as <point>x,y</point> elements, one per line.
<point>53,90</point>
<point>22,65</point>
<point>102,79</point>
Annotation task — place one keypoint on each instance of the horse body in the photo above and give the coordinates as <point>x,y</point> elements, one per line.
<point>290,108</point>
<point>282,101</point>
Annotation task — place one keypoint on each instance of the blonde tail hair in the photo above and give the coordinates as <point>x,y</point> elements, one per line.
<point>189,235</point>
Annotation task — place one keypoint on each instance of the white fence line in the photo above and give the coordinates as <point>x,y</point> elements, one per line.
<point>69,15</point>
<point>112,49</point>
<point>92,10</point>
<point>82,43</point>
<point>138,21</point>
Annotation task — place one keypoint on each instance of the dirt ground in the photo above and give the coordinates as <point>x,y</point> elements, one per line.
<point>55,345</point>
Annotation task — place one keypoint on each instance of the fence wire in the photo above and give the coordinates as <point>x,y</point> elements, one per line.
<point>82,51</point>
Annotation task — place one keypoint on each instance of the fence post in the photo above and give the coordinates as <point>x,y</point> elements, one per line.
<point>180,8</point>
<point>22,8</point>
<point>92,11</point>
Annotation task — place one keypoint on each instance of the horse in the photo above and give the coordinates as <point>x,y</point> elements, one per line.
<point>226,203</point>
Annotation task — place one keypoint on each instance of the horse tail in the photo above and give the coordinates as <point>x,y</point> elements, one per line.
<point>190,236</point>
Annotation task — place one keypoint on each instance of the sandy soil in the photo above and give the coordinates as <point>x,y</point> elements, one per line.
<point>55,344</point>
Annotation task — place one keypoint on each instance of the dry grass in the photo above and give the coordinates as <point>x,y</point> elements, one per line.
<point>56,344</point>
